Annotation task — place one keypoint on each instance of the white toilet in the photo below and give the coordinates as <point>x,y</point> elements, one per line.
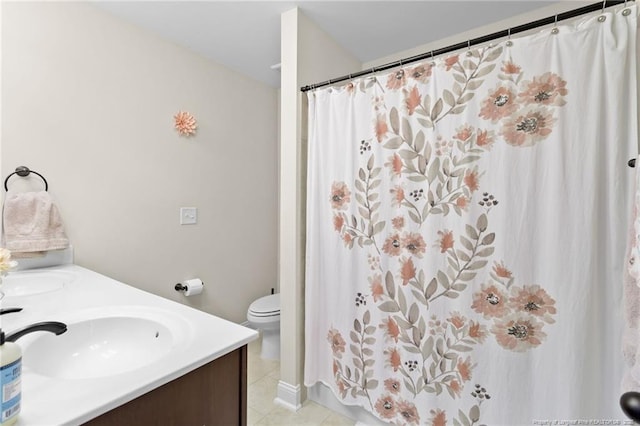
<point>264,315</point>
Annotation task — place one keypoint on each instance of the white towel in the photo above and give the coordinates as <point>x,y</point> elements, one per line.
<point>31,223</point>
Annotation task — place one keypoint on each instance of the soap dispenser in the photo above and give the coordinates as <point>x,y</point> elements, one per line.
<point>10,378</point>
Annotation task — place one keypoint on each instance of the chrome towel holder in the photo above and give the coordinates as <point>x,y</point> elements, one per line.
<point>24,171</point>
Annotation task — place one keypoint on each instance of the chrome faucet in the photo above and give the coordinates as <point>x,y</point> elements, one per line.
<point>54,327</point>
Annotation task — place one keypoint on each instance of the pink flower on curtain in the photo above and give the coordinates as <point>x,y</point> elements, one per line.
<point>396,80</point>
<point>528,126</point>
<point>438,418</point>
<point>398,222</point>
<point>533,300</point>
<point>391,329</point>
<point>485,139</point>
<point>465,368</point>
<point>393,359</point>
<point>464,132</point>
<point>500,103</point>
<point>457,320</point>
<point>398,195</point>
<point>407,271</point>
<point>392,385</point>
<point>375,284</point>
<point>337,342</point>
<point>518,332</point>
<point>500,270</point>
<point>477,331</point>
<point>421,73</point>
<point>509,67</point>
<point>394,163</point>
<point>408,412</point>
<point>412,99</point>
<point>386,407</point>
<point>338,222</point>
<point>471,180</point>
<point>414,244</point>
<point>462,202</point>
<point>490,301</point>
<point>547,89</point>
<point>340,195</point>
<point>392,245</point>
<point>446,240</point>
<point>450,62</point>
<point>347,239</point>
<point>455,387</point>
<point>381,127</point>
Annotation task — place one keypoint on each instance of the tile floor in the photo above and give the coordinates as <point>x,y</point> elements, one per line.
<point>262,379</point>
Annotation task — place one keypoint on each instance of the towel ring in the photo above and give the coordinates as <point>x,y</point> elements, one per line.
<point>24,171</point>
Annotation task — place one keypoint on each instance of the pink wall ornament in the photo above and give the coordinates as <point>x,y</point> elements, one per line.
<point>185,123</point>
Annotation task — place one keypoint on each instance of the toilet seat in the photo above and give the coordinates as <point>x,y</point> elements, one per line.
<point>267,306</point>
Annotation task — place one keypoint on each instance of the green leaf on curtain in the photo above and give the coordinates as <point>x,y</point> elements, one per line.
<point>459,78</point>
<point>394,119</point>
<point>431,288</point>
<point>486,70</point>
<point>417,178</point>
<point>402,301</point>
<point>466,98</point>
<point>420,140</point>
<point>437,109</point>
<point>474,413</point>
<point>448,97</point>
<point>393,143</point>
<point>370,163</point>
<point>389,306</point>
<point>407,154</point>
<point>486,252</point>
<point>494,54</point>
<point>357,326</point>
<point>482,223</point>
<point>406,131</point>
<point>391,288</point>
<point>488,239</point>
<point>471,232</point>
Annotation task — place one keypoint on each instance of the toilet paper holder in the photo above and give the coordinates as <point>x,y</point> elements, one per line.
<point>181,287</point>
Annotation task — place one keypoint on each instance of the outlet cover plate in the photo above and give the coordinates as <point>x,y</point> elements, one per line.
<point>188,215</point>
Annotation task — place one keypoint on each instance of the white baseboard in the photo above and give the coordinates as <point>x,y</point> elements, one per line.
<point>288,396</point>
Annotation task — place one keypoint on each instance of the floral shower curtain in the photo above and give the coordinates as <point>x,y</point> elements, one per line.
<point>466,228</point>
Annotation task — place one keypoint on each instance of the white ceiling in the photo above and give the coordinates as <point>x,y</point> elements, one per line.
<point>245,35</point>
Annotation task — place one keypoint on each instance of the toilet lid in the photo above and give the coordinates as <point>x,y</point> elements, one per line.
<point>266,306</point>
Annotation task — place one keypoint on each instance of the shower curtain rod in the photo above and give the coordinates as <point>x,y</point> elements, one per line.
<point>475,41</point>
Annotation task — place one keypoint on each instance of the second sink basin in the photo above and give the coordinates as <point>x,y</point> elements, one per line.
<point>120,341</point>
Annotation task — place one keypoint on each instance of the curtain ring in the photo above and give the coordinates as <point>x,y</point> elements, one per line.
<point>469,48</point>
<point>433,61</point>
<point>555,29</point>
<point>602,18</point>
<point>509,42</point>
<point>626,12</point>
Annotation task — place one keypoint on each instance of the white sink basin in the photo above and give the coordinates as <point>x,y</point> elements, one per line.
<point>117,342</point>
<point>27,283</point>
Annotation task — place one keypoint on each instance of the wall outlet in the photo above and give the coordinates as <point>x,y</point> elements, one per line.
<point>188,215</point>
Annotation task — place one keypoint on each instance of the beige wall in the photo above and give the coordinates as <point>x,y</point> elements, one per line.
<point>88,101</point>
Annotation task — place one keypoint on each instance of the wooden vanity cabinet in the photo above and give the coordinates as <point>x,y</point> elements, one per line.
<point>214,394</point>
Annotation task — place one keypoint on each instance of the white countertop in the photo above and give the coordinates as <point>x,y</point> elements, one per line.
<point>53,401</point>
